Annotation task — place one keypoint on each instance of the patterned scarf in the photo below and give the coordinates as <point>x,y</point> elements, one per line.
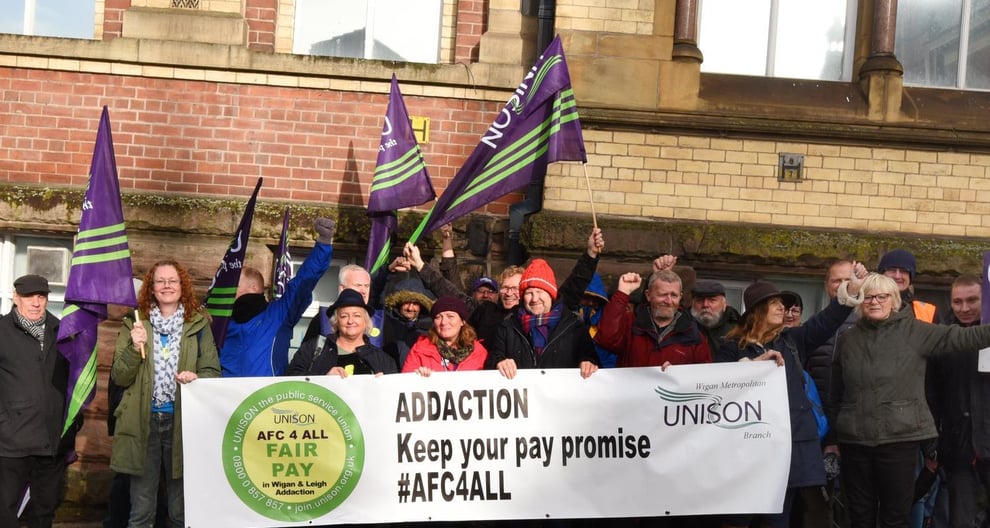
<point>538,327</point>
<point>167,337</point>
<point>35,328</point>
<point>454,355</point>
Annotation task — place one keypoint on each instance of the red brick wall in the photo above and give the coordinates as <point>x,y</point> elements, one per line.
<point>207,138</point>
<point>113,18</point>
<point>470,26</point>
<point>261,19</point>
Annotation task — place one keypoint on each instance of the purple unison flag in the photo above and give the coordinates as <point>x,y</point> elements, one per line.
<point>100,274</point>
<point>401,179</point>
<point>282,270</point>
<point>538,125</point>
<point>220,298</point>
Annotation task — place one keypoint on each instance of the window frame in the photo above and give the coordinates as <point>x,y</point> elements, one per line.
<point>770,63</point>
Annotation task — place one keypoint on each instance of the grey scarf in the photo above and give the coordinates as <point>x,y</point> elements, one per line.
<point>35,328</point>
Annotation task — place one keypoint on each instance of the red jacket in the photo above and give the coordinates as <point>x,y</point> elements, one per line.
<point>630,333</point>
<point>425,354</point>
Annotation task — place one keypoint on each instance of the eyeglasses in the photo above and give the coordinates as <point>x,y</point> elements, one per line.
<point>880,298</point>
<point>509,289</point>
<point>794,310</point>
<point>166,282</point>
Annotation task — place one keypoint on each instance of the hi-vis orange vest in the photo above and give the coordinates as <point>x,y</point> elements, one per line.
<point>923,311</point>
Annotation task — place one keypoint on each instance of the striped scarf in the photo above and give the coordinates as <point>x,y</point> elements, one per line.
<point>538,327</point>
<point>35,328</point>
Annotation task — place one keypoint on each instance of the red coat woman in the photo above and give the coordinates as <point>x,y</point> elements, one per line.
<point>450,345</point>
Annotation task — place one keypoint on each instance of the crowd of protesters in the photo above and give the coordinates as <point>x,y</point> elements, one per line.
<point>904,399</point>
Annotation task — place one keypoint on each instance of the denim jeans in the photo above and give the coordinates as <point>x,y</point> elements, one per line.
<point>144,488</point>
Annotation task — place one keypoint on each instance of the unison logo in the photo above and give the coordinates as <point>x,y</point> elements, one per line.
<point>702,408</point>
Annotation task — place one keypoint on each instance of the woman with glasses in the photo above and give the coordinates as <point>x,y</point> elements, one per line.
<point>167,341</point>
<point>877,405</point>
<point>793,309</point>
<point>762,335</point>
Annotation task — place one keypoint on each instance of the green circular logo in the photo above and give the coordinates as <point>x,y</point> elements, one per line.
<point>293,451</point>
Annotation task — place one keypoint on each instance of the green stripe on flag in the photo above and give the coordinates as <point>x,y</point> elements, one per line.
<point>410,169</point>
<point>80,246</point>
<point>84,387</point>
<point>385,168</point>
<point>382,257</point>
<point>105,257</point>
<point>100,231</point>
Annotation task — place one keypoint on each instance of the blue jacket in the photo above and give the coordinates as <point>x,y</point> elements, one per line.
<point>260,346</point>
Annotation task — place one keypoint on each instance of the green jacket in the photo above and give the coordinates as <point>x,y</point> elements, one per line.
<point>197,353</point>
<point>877,393</point>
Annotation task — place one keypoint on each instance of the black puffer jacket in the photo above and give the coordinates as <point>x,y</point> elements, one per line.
<point>567,346</point>
<point>309,361</point>
<point>402,333</point>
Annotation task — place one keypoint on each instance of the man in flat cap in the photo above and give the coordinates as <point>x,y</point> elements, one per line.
<point>33,379</point>
<point>713,314</point>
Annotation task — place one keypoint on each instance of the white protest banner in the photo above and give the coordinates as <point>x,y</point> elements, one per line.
<point>697,439</point>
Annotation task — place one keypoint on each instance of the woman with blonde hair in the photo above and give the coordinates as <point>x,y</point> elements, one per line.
<point>761,335</point>
<point>166,342</point>
<point>877,405</point>
<point>347,350</point>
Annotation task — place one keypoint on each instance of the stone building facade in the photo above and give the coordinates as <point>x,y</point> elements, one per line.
<point>207,96</point>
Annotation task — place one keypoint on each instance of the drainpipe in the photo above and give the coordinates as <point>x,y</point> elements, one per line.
<point>533,202</point>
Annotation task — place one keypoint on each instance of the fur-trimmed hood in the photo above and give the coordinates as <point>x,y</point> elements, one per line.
<point>397,299</point>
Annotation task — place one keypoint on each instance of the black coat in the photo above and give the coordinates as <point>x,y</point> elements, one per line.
<point>486,316</point>
<point>308,361</point>
<point>567,346</point>
<point>32,390</point>
<point>793,344</point>
<point>963,407</point>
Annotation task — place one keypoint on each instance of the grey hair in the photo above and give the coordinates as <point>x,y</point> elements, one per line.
<point>347,269</point>
<point>667,276</point>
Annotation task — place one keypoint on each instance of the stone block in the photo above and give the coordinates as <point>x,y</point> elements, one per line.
<point>616,82</point>
<point>185,25</point>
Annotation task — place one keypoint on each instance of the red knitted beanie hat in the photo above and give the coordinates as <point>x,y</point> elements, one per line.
<point>540,275</point>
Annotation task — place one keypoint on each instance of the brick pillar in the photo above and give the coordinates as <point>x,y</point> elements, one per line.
<point>470,26</point>
<point>261,17</point>
<point>113,18</point>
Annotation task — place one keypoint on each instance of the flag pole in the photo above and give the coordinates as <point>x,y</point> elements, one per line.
<point>137,320</point>
<point>591,198</point>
